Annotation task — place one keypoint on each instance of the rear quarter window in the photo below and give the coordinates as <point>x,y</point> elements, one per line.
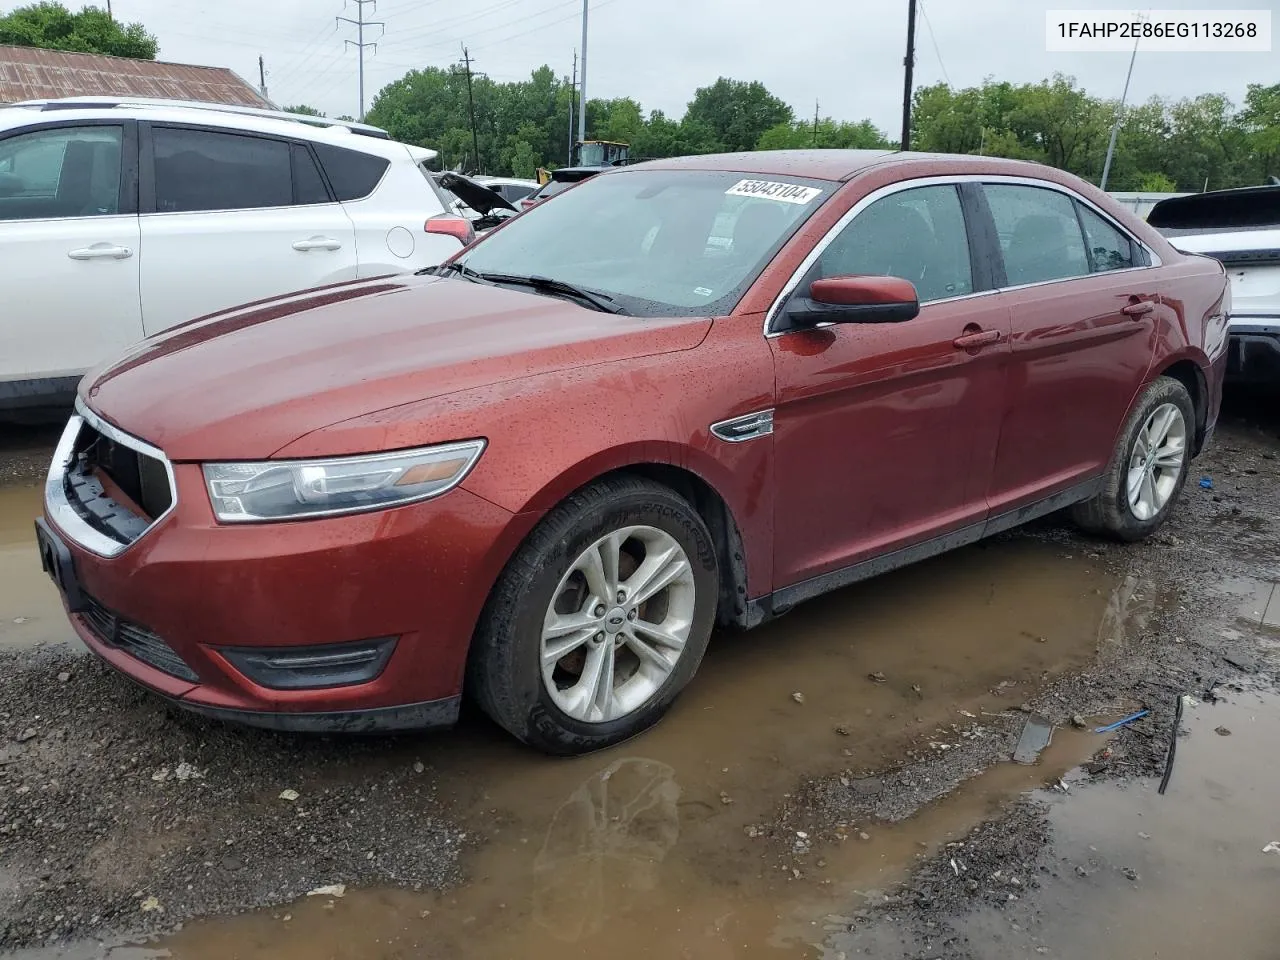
<point>353,175</point>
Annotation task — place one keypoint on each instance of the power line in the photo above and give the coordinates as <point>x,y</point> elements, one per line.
<point>359,43</point>
<point>933,38</point>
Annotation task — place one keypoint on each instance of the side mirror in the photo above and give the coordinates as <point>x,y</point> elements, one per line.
<point>854,300</point>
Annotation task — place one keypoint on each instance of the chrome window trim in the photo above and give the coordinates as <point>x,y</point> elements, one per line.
<point>805,265</point>
<point>59,508</point>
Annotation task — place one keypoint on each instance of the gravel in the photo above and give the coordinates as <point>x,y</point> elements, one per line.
<point>119,813</point>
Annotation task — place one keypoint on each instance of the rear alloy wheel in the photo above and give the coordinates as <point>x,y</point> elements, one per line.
<point>600,619</point>
<point>1155,465</point>
<point>1148,468</point>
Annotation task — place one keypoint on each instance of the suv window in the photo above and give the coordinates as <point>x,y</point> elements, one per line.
<point>203,170</point>
<point>61,172</point>
<point>352,175</point>
<point>1109,249</point>
<point>308,186</point>
<point>1040,236</point>
<point>916,234</point>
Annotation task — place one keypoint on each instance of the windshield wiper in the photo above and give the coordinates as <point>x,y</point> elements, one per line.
<point>600,301</point>
<point>454,266</point>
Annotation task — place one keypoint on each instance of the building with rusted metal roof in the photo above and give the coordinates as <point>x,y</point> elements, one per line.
<point>32,73</point>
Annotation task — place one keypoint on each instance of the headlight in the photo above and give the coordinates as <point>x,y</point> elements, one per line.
<point>290,489</point>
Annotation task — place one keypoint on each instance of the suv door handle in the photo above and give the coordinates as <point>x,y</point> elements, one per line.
<point>317,243</point>
<point>1139,309</point>
<point>979,338</point>
<point>100,251</point>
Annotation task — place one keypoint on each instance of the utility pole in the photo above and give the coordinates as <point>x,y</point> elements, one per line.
<point>109,14</point>
<point>815,122</point>
<point>909,63</point>
<point>573,96</point>
<point>359,43</point>
<point>471,103</point>
<point>1115,127</point>
<point>582,101</point>
<point>262,77</point>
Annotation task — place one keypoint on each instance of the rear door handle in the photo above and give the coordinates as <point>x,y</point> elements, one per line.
<point>982,338</point>
<point>100,251</point>
<point>317,243</point>
<point>1139,309</point>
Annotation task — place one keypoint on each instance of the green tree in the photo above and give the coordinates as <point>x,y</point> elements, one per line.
<point>736,113</point>
<point>303,109</point>
<point>54,27</point>
<point>1260,121</point>
<point>826,134</point>
<point>1156,183</point>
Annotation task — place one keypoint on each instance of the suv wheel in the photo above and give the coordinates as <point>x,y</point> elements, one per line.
<point>600,619</point>
<point>1148,468</point>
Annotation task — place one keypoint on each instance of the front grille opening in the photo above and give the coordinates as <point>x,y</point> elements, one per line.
<point>141,478</point>
<point>114,488</point>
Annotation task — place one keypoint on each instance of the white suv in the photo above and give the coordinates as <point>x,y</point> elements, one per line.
<point>122,217</point>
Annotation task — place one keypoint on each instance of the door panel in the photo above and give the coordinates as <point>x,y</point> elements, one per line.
<point>1083,340</point>
<point>885,434</point>
<point>230,218</point>
<point>69,248</point>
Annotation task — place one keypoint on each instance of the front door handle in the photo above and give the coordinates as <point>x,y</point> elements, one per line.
<point>977,339</point>
<point>100,251</point>
<point>1139,309</point>
<point>317,243</point>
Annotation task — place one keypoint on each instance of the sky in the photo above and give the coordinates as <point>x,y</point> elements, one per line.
<point>845,54</point>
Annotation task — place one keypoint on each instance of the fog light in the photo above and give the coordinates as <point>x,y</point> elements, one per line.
<point>303,668</point>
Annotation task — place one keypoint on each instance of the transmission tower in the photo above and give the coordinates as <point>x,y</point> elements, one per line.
<point>360,43</point>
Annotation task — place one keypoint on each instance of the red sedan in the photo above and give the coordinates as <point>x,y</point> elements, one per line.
<point>687,393</point>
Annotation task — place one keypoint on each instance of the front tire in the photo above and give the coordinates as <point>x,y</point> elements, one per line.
<point>1149,467</point>
<point>599,620</point>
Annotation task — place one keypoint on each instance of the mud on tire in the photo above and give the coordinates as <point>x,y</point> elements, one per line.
<point>505,673</point>
<point>1111,513</point>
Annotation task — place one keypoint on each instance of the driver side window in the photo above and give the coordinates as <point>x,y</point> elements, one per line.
<point>916,234</point>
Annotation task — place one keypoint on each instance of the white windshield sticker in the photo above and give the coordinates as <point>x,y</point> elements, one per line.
<point>782,192</point>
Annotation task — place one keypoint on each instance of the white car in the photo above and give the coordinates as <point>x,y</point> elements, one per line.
<point>1241,228</point>
<point>120,218</point>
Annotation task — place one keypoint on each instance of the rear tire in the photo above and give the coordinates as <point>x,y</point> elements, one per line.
<point>1148,468</point>
<point>569,671</point>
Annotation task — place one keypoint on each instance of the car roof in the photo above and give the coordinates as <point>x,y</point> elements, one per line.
<point>836,165</point>
<point>355,136</point>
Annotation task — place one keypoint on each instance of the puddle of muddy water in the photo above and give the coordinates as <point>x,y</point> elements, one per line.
<point>1175,877</point>
<point>642,851</point>
<point>30,609</point>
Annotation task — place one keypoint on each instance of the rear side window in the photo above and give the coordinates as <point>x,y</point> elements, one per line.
<point>1109,249</point>
<point>61,172</point>
<point>308,187</point>
<point>202,170</point>
<point>917,234</point>
<point>352,175</point>
<point>1039,234</point>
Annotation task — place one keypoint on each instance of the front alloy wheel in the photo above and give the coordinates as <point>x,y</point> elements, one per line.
<point>617,624</point>
<point>599,620</point>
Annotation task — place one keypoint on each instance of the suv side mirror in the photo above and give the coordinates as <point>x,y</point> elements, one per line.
<point>854,300</point>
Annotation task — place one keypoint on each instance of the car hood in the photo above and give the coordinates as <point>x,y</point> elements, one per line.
<point>475,195</point>
<point>244,383</point>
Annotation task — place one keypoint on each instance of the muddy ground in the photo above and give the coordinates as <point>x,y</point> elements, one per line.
<point>876,813</point>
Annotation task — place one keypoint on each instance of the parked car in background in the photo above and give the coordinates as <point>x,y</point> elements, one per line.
<point>561,180</point>
<point>122,217</point>
<point>511,189</point>
<point>1242,229</point>
<point>691,392</point>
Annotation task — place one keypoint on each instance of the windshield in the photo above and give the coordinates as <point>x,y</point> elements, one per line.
<point>659,242</point>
